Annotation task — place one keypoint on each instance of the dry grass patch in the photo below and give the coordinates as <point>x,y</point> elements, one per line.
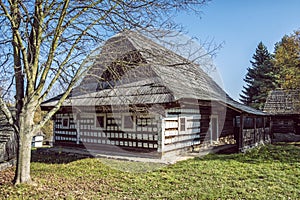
<point>269,172</point>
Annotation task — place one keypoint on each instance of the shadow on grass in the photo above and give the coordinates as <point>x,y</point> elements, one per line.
<point>284,153</point>
<point>45,155</point>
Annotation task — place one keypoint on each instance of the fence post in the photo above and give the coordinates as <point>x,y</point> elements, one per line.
<point>241,136</point>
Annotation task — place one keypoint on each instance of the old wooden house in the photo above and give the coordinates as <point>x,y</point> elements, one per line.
<point>140,97</point>
<point>284,108</point>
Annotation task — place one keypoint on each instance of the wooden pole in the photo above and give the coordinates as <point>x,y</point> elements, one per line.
<point>271,128</point>
<point>255,131</point>
<point>241,138</point>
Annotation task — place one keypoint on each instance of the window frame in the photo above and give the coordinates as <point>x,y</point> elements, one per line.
<point>96,121</point>
<point>185,124</point>
<point>133,119</point>
<point>62,122</point>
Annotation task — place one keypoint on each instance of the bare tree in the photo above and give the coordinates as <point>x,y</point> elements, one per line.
<point>44,42</point>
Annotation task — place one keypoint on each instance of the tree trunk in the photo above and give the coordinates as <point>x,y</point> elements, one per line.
<point>22,173</point>
<point>23,161</point>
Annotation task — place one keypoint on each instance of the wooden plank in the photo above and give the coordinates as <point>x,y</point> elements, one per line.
<point>240,136</point>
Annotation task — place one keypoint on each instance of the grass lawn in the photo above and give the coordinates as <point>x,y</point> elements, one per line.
<point>269,172</point>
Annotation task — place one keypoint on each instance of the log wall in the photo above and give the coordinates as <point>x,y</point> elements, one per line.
<point>84,131</point>
<point>174,135</point>
<point>286,124</point>
<point>253,130</point>
<point>178,126</point>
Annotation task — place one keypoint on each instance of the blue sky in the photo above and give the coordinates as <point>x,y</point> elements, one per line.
<point>241,25</point>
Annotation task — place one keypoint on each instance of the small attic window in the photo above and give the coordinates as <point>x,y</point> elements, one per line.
<point>65,122</point>
<point>182,124</point>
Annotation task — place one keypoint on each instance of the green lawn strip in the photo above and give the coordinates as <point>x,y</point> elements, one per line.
<point>268,172</point>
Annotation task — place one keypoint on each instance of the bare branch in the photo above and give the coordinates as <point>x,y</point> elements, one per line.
<point>62,65</point>
<point>57,34</point>
<point>48,116</point>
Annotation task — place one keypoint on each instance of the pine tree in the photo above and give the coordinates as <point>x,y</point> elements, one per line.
<point>260,78</point>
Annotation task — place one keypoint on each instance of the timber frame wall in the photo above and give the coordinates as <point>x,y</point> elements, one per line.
<point>83,130</point>
<point>251,130</point>
<point>150,132</point>
<point>180,126</point>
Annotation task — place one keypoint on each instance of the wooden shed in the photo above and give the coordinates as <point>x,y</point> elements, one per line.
<point>142,97</point>
<point>284,108</point>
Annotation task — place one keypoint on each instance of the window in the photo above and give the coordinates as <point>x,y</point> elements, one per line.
<point>65,122</point>
<point>248,123</point>
<point>259,122</point>
<point>182,124</point>
<point>128,122</point>
<point>100,121</point>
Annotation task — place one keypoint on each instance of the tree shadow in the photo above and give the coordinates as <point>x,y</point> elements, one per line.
<point>51,156</point>
<point>227,151</point>
<point>43,155</point>
<point>283,153</point>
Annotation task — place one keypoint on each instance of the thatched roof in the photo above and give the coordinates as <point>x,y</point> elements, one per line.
<point>283,102</point>
<point>132,69</point>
